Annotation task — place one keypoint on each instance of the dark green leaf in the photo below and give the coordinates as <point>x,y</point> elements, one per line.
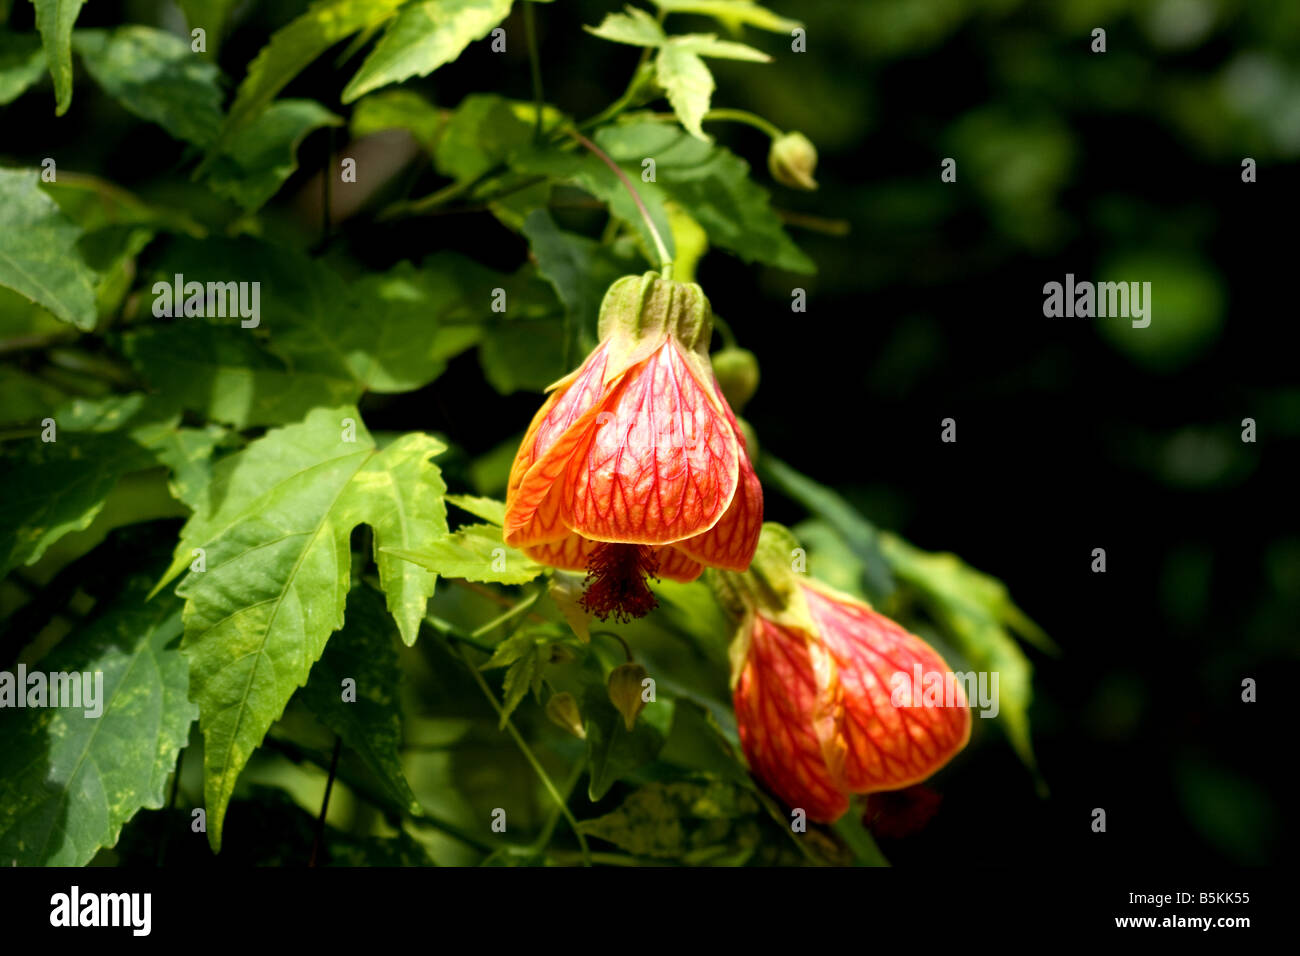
<point>371,725</point>
<point>68,782</point>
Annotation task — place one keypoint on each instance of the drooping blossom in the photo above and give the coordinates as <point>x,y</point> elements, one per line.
<point>826,693</point>
<point>635,466</point>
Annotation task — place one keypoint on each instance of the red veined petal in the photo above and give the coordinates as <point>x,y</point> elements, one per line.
<point>661,463</point>
<point>573,553</point>
<point>869,743</point>
<point>570,553</point>
<point>551,427</point>
<point>731,542</point>
<point>774,700</point>
<point>676,566</point>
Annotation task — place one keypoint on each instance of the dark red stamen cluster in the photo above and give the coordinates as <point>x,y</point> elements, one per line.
<point>616,582</point>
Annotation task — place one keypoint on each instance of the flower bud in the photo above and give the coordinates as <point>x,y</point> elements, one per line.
<point>562,709</point>
<point>625,691</point>
<point>792,160</point>
<point>737,372</point>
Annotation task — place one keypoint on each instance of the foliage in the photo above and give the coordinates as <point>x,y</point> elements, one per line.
<point>203,350</point>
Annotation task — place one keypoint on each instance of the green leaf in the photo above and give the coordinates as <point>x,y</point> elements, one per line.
<point>524,355</point>
<point>254,163</point>
<point>399,109</point>
<point>706,44</point>
<point>275,534</point>
<point>489,509</point>
<point>425,35</point>
<point>474,553</point>
<point>187,453</point>
<point>49,489</point>
<point>592,175</point>
<point>976,611</point>
<point>418,319</point>
<point>732,13</point>
<point>24,398</point>
<point>69,782</point>
<point>224,374</point>
<point>484,130</point>
<point>22,63</point>
<point>54,20</point>
<point>612,751</point>
<point>635,27</point>
<point>694,822</point>
<point>687,83</point>
<point>293,47</point>
<point>38,251</point>
<point>321,341</point>
<point>580,269</point>
<point>370,725</point>
<point>155,76</point>
<point>212,16</point>
<point>860,535</point>
<point>713,185</point>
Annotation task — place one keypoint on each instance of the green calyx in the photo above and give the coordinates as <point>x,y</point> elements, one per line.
<point>640,312</point>
<point>771,585</point>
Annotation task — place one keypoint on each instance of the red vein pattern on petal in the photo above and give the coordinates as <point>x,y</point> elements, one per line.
<point>774,700</point>
<point>676,566</point>
<point>873,744</point>
<point>572,397</point>
<point>534,508</point>
<point>570,553</point>
<point>662,463</point>
<point>731,542</point>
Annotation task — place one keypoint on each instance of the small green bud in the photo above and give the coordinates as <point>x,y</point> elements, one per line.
<point>792,160</point>
<point>625,691</point>
<point>737,372</point>
<point>562,709</point>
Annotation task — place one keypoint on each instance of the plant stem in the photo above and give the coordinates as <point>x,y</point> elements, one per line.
<point>626,650</point>
<point>532,760</point>
<point>534,67</point>
<point>518,608</point>
<point>325,803</point>
<point>665,261</point>
<point>726,115</point>
<point>746,117</point>
<point>574,777</point>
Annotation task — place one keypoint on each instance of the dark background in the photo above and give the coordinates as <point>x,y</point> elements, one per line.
<point>1073,434</point>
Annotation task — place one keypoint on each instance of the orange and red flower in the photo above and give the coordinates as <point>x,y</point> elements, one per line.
<point>635,464</point>
<point>815,683</point>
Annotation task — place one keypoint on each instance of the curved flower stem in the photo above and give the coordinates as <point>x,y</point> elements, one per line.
<point>746,117</point>
<point>534,67</point>
<point>626,650</point>
<point>665,261</point>
<point>532,760</point>
<point>726,115</point>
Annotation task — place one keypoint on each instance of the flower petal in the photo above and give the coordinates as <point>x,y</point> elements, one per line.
<point>676,566</point>
<point>573,552</point>
<point>662,463</point>
<point>731,542</point>
<point>532,511</point>
<point>774,700</point>
<point>869,743</point>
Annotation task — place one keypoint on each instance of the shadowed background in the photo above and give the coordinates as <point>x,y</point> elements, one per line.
<point>1072,434</point>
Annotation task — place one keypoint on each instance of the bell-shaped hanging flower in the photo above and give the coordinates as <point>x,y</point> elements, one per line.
<point>635,466</point>
<point>831,697</point>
